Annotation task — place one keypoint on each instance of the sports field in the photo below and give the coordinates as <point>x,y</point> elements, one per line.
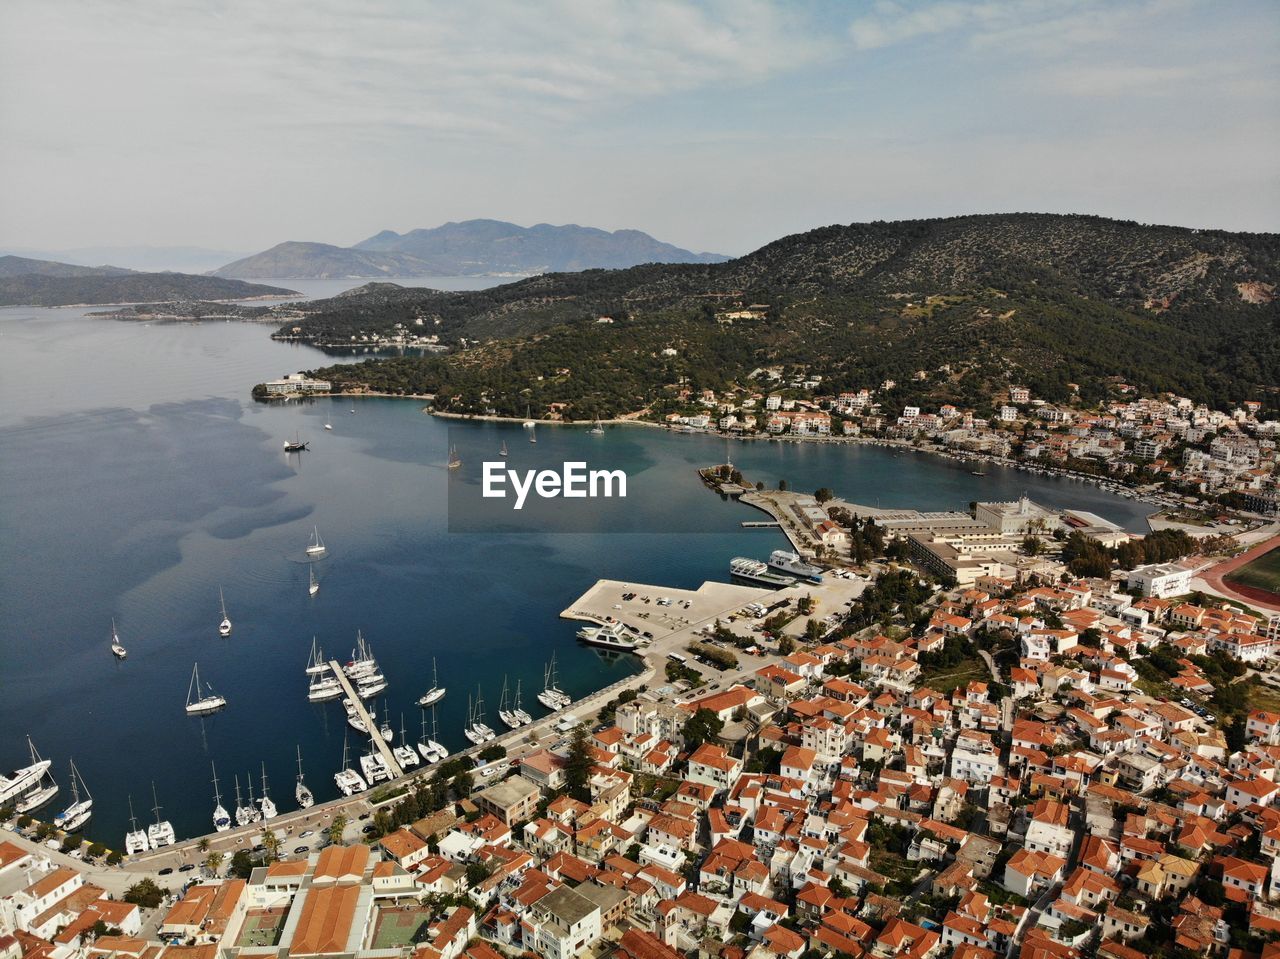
<point>1261,573</point>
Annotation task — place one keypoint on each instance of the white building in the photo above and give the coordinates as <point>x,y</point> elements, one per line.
<point>1160,580</point>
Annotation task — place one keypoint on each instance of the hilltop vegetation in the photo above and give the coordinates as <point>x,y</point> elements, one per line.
<point>949,309</point>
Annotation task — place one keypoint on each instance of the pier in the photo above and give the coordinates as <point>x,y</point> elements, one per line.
<point>760,524</point>
<point>387,755</point>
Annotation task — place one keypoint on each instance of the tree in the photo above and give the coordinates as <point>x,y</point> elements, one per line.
<point>823,495</point>
<point>577,770</point>
<point>203,844</point>
<point>700,727</point>
<point>786,645</point>
<point>96,850</point>
<point>24,821</point>
<point>782,486</point>
<point>813,631</point>
<point>72,842</point>
<point>477,872</point>
<point>1031,545</point>
<point>491,753</point>
<point>337,828</point>
<point>213,862</point>
<point>144,893</point>
<point>114,857</point>
<point>272,843</point>
<point>242,865</point>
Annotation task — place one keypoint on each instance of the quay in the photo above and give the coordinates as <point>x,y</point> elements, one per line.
<point>374,736</point>
<point>760,524</point>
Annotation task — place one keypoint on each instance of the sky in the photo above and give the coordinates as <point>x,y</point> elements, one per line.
<point>716,126</point>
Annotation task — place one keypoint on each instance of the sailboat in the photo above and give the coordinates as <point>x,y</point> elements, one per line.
<point>597,429</point>
<point>224,627</point>
<point>454,461</point>
<point>328,426</point>
<point>244,814</point>
<point>528,421</point>
<point>197,704</point>
<point>347,779</point>
<point>533,434</point>
<point>552,696</point>
<point>135,840</point>
<point>430,747</point>
<point>477,731</point>
<point>374,766</point>
<point>503,451</point>
<point>300,792</point>
<point>505,713</point>
<point>20,780</point>
<point>45,785</point>
<point>159,833</point>
<point>77,814</point>
<point>117,647</point>
<point>316,547</point>
<point>297,446</point>
<point>518,711</point>
<point>265,804</point>
<point>314,587</point>
<point>384,728</point>
<point>253,811</point>
<point>353,409</point>
<point>221,818</point>
<point>436,692</point>
<point>404,753</point>
<point>353,717</point>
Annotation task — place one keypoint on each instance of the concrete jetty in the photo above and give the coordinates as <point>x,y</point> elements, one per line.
<point>387,755</point>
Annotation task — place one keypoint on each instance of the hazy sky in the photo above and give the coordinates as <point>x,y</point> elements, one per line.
<point>716,126</point>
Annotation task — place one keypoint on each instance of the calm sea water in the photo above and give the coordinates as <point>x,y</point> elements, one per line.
<point>136,477</point>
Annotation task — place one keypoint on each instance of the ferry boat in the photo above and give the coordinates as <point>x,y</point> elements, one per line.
<point>752,570</point>
<point>610,636</point>
<point>117,647</point>
<point>314,586</point>
<point>789,562</point>
<point>347,779</point>
<point>224,627</point>
<point>552,696</point>
<point>160,833</point>
<point>316,547</point>
<point>405,754</point>
<point>436,692</point>
<point>221,818</point>
<point>476,730</point>
<point>301,793</point>
<point>77,814</point>
<point>20,780</point>
<point>268,808</point>
<point>135,840</point>
<point>200,705</point>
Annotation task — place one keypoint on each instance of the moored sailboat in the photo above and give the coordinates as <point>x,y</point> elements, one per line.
<point>265,804</point>
<point>45,785</point>
<point>159,833</point>
<point>224,627</point>
<point>221,818</point>
<point>436,692</point>
<point>77,814</point>
<point>404,753</point>
<point>301,793</point>
<point>552,696</point>
<point>347,779</point>
<point>135,840</point>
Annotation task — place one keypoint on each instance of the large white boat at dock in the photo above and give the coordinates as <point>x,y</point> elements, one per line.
<point>791,564</point>
<point>301,793</point>
<point>754,571</point>
<point>221,818</point>
<point>609,636</point>
<point>160,833</point>
<point>552,696</point>
<point>347,779</point>
<point>405,754</point>
<point>73,818</point>
<point>135,840</point>
<point>45,785</point>
<point>476,730</point>
<point>20,780</point>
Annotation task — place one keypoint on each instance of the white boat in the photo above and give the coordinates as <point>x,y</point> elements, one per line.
<point>353,411</point>
<point>610,636</point>
<point>518,711</point>
<point>436,692</point>
<point>791,563</point>
<point>159,833</point>
<point>77,814</point>
<point>221,818</point>
<point>505,711</point>
<point>374,767</point>
<point>354,719</point>
<point>117,647</point>
<point>314,586</point>
<point>323,689</point>
<point>476,730</point>
<point>316,547</point>
<point>552,696</point>
<point>135,840</point>
<point>454,461</point>
<point>503,451</point>
<point>198,704</point>
<point>316,663</point>
<point>301,793</point>
<point>596,430</point>
<point>384,728</point>
<point>224,627</point>
<point>268,808</point>
<point>533,434</point>
<point>328,426</point>
<point>528,422</point>
<point>404,753</point>
<point>368,688</point>
<point>41,796</point>
<point>244,814</point>
<point>429,746</point>
<point>347,779</point>
<point>20,780</point>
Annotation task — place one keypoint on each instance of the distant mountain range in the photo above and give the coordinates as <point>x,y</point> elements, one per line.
<point>28,282</point>
<point>469,248</point>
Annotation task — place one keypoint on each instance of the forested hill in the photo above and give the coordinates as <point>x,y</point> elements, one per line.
<point>969,302</point>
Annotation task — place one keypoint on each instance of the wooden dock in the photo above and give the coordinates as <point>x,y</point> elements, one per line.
<point>376,737</point>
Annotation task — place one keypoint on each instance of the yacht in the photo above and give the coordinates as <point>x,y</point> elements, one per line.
<point>386,731</point>
<point>117,647</point>
<point>314,586</point>
<point>297,446</point>
<point>300,792</point>
<point>316,663</point>
<point>405,754</point>
<point>611,636</point>
<point>347,779</point>
<point>45,786</point>
<point>503,451</point>
<point>791,563</point>
<point>135,840</point>
<point>552,696</point>
<point>224,627</point>
<point>77,814</point>
<point>159,833</point>
<point>201,704</point>
<point>265,804</point>
<point>20,780</point>
<point>533,434</point>
<point>374,766</point>
<point>436,692</point>
<point>252,811</point>
<point>518,711</point>
<point>454,461</point>
<point>476,730</point>
<point>316,548</point>
<point>323,688</point>
<point>743,567</point>
<point>528,422</point>
<point>244,814</point>
<point>429,746</point>
<point>596,430</point>
<point>221,818</point>
<point>372,686</point>
<point>354,720</point>
<point>328,426</point>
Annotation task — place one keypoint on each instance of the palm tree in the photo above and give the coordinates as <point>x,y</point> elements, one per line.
<point>336,829</point>
<point>213,862</point>
<point>272,844</point>
<point>203,844</point>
